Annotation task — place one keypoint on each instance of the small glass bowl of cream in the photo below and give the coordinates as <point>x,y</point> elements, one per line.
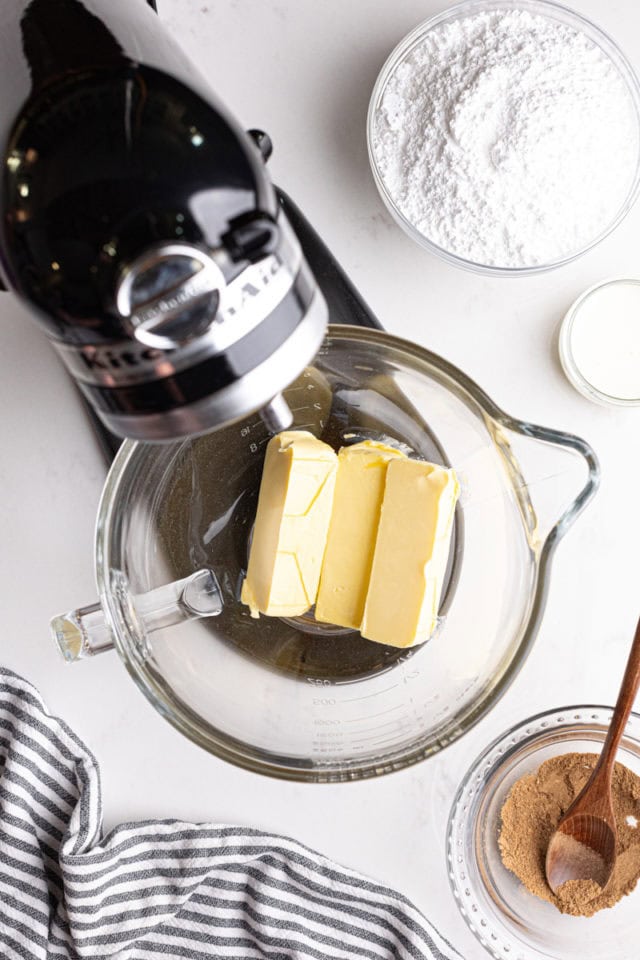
<point>600,343</point>
<point>510,922</point>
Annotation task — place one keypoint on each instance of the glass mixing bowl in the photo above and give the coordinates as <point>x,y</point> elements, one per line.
<point>298,699</point>
<point>507,920</point>
<point>459,11</point>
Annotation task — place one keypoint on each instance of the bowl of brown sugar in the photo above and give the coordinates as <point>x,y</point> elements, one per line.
<point>502,818</point>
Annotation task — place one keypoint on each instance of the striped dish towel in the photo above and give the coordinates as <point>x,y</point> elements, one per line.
<point>165,889</point>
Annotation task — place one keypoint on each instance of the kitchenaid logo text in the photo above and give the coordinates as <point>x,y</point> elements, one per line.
<point>192,289</point>
<point>233,298</point>
<point>244,304</point>
<point>244,289</point>
<point>114,358</point>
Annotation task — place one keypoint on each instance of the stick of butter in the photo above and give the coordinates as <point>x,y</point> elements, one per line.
<point>362,471</point>
<point>294,508</point>
<point>411,553</point>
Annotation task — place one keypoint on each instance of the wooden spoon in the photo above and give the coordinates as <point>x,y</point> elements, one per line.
<point>584,844</point>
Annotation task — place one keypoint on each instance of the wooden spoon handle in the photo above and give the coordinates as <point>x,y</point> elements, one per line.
<point>623,707</point>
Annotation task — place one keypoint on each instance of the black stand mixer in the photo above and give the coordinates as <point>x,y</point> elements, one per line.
<point>189,300</point>
<point>142,230</point>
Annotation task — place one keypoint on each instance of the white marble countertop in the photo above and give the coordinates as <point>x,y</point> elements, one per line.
<point>303,71</point>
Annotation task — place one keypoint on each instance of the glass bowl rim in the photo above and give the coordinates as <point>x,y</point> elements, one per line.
<point>549,8</point>
<point>109,529</point>
<point>490,929</point>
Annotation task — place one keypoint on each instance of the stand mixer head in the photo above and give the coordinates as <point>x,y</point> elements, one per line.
<point>139,225</point>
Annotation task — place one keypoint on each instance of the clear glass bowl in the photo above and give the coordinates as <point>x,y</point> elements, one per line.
<point>546,8</point>
<point>297,699</point>
<point>508,920</point>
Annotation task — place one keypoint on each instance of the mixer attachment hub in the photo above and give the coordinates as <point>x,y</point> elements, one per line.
<point>277,416</point>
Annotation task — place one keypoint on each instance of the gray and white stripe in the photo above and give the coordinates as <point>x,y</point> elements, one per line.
<point>166,889</point>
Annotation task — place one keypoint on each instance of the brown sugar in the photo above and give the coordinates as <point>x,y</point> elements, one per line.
<point>532,812</point>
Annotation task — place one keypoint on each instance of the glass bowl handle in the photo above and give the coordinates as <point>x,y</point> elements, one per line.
<point>85,632</point>
<point>558,475</point>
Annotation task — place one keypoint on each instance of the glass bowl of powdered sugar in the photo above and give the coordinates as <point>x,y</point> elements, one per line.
<point>505,136</point>
<point>506,808</point>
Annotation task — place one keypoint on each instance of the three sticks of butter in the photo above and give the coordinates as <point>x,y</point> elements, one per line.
<point>363,534</point>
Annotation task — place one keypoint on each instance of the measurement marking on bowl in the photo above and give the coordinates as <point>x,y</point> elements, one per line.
<point>368,696</point>
<point>384,737</point>
<point>373,716</point>
<point>379,741</point>
<point>381,726</point>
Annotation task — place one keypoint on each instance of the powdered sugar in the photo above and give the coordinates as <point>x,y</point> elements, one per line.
<point>507,138</point>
